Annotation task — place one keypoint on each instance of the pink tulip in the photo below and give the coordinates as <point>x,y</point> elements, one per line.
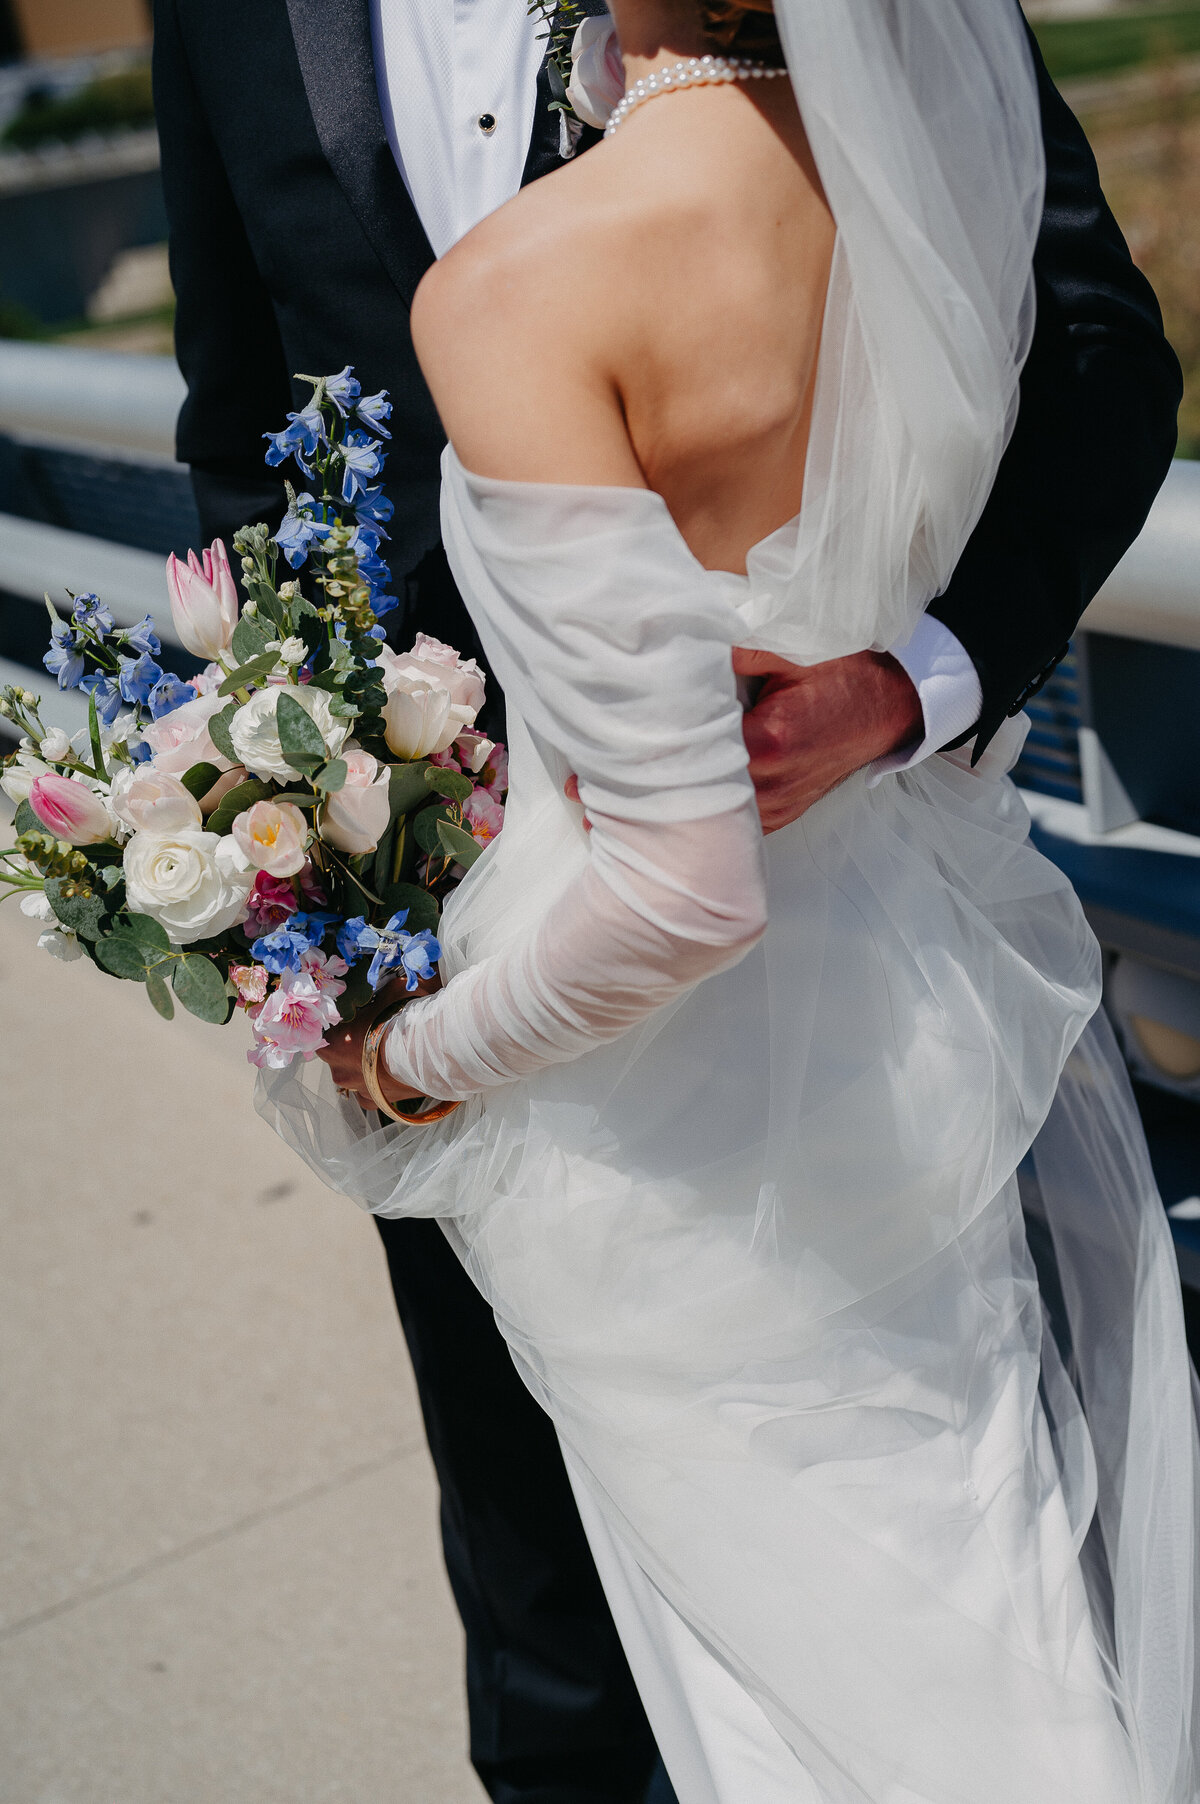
<point>70,810</point>
<point>204,601</point>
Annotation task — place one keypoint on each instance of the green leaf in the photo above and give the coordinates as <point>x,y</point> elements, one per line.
<point>253,672</point>
<point>199,779</point>
<point>242,796</point>
<point>218,732</point>
<point>84,915</point>
<point>300,738</point>
<point>425,828</point>
<point>123,956</point>
<point>449,782</point>
<point>422,907</point>
<point>332,777</point>
<point>98,764</point>
<point>200,987</point>
<point>249,640</point>
<point>407,788</point>
<point>458,844</point>
<point>299,798</point>
<point>160,995</point>
<point>150,936</point>
<point>26,821</point>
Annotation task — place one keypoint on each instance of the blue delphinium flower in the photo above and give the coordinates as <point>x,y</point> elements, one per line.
<point>373,410</point>
<point>142,637</point>
<point>362,461</point>
<point>283,949</point>
<point>64,659</point>
<point>139,751</point>
<point>298,530</point>
<point>372,508</point>
<point>415,954</point>
<point>89,611</point>
<point>343,390</point>
<point>137,678</point>
<point>300,438</point>
<point>107,692</point>
<point>168,694</point>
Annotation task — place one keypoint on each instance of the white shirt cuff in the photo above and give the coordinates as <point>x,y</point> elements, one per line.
<point>949,689</point>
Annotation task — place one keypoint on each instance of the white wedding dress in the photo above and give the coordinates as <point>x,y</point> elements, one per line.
<point>746,1203</point>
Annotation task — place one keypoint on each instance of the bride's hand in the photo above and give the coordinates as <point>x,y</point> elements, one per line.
<point>810,728</point>
<point>343,1054</point>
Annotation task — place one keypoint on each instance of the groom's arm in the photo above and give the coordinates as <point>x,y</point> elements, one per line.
<point>1093,441</point>
<point>226,337</point>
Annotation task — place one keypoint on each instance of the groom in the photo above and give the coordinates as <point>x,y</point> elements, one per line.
<point>317,154</point>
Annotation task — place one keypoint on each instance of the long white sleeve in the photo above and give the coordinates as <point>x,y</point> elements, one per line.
<point>623,677</point>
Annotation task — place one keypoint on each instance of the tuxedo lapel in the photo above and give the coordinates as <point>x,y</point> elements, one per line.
<point>333,44</point>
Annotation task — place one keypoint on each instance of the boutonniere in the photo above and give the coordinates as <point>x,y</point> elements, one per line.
<point>583,62</point>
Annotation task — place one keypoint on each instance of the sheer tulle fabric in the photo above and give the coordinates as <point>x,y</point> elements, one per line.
<point>761,1255</point>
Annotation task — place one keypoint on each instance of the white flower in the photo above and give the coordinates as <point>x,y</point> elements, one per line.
<point>189,881</point>
<point>142,797</point>
<point>355,817</point>
<point>19,776</point>
<point>293,651</point>
<point>434,662</point>
<point>60,943</point>
<point>36,907</point>
<point>55,745</point>
<point>419,718</point>
<point>180,739</point>
<point>597,71</point>
<point>255,735</point>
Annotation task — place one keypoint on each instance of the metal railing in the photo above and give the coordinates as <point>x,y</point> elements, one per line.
<point>107,401</point>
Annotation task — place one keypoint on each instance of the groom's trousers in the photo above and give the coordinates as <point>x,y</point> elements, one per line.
<point>555,1717</point>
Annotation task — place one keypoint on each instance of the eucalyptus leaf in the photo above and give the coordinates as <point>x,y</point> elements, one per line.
<point>147,932</point>
<point>458,844</point>
<point>160,995</point>
<point>242,796</point>
<point>299,798</point>
<point>300,738</point>
<point>200,987</point>
<point>84,915</point>
<point>407,788</point>
<point>249,640</point>
<point>123,956</point>
<point>200,779</point>
<point>218,732</point>
<point>26,821</point>
<point>449,782</point>
<point>252,672</point>
<point>425,828</point>
<point>332,777</point>
<point>422,907</point>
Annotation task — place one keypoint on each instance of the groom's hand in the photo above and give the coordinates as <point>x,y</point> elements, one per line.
<point>811,727</point>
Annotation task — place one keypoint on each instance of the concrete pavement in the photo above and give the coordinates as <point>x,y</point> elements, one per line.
<point>220,1579</point>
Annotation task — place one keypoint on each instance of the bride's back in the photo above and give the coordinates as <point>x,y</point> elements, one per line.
<point>649,315</point>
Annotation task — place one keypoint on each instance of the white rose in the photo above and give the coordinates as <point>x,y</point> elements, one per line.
<point>189,881</point>
<point>421,717</point>
<point>597,71</point>
<point>142,797</point>
<point>437,664</point>
<point>181,739</point>
<point>19,776</point>
<point>255,734</point>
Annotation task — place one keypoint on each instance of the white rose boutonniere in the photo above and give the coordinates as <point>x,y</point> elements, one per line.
<point>597,71</point>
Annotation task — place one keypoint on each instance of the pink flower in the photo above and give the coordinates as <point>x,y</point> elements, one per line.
<point>272,900</point>
<point>141,796</point>
<point>326,974</point>
<point>355,817</point>
<point>270,837</point>
<point>313,893</point>
<point>204,602</point>
<point>292,1020</point>
<point>482,816</point>
<point>70,810</point>
<point>251,981</point>
<point>438,665</point>
<point>180,739</point>
<point>494,775</point>
<point>473,751</point>
<point>446,760</point>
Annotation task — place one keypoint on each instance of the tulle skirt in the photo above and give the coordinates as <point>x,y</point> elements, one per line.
<point>764,1261</point>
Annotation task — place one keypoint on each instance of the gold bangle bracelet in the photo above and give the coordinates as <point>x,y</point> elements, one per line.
<point>372,1047</point>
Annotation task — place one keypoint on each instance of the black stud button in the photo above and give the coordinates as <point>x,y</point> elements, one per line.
<point>487,124</point>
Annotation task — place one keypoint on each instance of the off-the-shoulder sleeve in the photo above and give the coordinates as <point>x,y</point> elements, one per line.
<point>614,645</point>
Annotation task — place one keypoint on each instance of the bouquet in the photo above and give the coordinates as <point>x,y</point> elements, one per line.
<point>277,832</point>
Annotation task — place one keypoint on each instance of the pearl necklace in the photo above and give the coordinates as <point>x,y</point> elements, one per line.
<point>692,72</point>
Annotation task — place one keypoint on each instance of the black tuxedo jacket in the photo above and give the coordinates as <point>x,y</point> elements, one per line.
<point>295,246</point>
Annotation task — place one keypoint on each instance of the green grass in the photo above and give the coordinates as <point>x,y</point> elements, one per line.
<point>1114,42</point>
<point>111,103</point>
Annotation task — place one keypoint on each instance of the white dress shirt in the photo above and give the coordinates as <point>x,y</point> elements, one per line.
<point>457,85</point>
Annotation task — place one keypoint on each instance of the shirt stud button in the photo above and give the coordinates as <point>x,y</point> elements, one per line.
<point>487,124</point>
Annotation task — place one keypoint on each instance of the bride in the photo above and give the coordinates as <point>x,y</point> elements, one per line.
<point>736,1161</point>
